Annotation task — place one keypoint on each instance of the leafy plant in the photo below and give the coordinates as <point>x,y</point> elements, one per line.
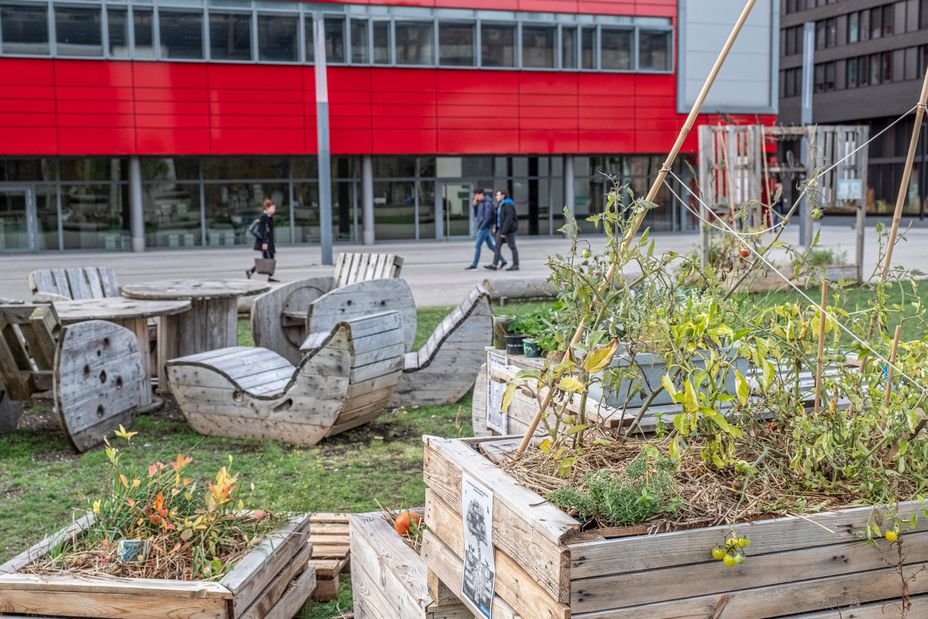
<point>188,530</point>
<point>642,491</point>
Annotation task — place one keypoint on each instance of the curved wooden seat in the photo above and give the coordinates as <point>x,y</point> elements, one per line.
<point>346,380</point>
<point>444,369</point>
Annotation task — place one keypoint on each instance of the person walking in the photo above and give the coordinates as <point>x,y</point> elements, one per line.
<point>263,230</point>
<point>507,225</point>
<point>484,216</point>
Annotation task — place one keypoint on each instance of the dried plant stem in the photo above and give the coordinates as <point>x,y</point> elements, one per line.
<point>820,356</point>
<point>652,194</point>
<point>903,193</point>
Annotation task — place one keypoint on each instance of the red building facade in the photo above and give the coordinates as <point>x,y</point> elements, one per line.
<point>442,94</point>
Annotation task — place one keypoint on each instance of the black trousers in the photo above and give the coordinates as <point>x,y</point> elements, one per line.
<point>510,240</point>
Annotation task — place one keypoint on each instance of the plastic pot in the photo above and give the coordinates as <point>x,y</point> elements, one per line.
<point>531,348</point>
<point>514,344</point>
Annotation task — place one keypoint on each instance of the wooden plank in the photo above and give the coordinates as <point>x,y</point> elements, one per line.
<point>78,283</point>
<point>102,584</point>
<point>513,583</point>
<point>650,552</point>
<point>875,610</point>
<point>273,592</point>
<point>92,277</point>
<point>269,324</point>
<point>693,580</point>
<point>525,524</point>
<point>295,596</point>
<point>110,605</point>
<point>774,601</point>
<point>108,280</point>
<point>256,569</point>
<point>449,568</point>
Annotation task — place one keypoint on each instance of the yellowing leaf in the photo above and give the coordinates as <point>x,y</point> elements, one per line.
<point>600,358</point>
<point>507,397</point>
<point>668,386</point>
<point>742,388</point>
<point>571,384</point>
<point>690,401</point>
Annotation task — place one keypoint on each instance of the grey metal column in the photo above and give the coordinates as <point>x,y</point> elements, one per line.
<point>324,156</point>
<point>808,76</point>
<point>367,200</point>
<point>569,184</point>
<point>136,212</point>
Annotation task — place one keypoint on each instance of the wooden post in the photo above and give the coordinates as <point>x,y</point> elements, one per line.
<point>652,194</point>
<point>820,357</point>
<point>889,370</point>
<point>903,191</point>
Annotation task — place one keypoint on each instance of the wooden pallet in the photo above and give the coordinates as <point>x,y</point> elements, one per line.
<point>328,536</point>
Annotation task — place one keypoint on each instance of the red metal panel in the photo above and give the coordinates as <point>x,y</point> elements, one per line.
<point>173,108</point>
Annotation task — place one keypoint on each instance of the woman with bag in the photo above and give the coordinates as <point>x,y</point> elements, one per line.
<point>263,230</point>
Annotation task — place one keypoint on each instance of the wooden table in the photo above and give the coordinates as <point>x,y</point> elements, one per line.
<point>132,314</point>
<point>212,321</point>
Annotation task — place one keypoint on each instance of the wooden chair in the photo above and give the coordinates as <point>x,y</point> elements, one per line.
<point>93,369</point>
<point>76,283</point>
<point>345,380</point>
<point>444,369</point>
<point>278,317</point>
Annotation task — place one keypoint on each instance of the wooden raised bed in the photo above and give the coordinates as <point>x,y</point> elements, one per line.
<point>547,568</point>
<point>388,578</point>
<point>273,580</point>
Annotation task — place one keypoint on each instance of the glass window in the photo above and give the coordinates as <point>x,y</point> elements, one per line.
<point>829,76</point>
<point>876,23</point>
<point>456,44</point>
<point>853,34</point>
<point>334,39</point>
<point>820,34</point>
<point>864,25</point>
<point>231,207</point>
<point>887,62</point>
<point>888,19</point>
<point>498,45</point>
<point>569,47</point>
<point>170,168</point>
<point>382,43</point>
<point>831,32</point>
<point>95,216</point>
<point>144,41</point>
<point>588,48</point>
<point>819,78</point>
<point>617,49</point>
<point>234,168</point>
<point>277,38</point>
<point>308,29</point>
<point>538,45</point>
<point>117,20</point>
<point>91,169</point>
<point>172,214</point>
<point>852,75</point>
<point>395,209</point>
<point>46,220</point>
<point>360,45</point>
<point>414,43</point>
<point>229,36</point>
<point>874,69</point>
<point>24,28</point>
<point>863,71</point>
<point>77,30</point>
<point>181,33</point>
<point>654,50</point>
<point>923,15</point>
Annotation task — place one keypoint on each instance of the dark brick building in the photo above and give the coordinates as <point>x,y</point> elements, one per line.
<point>869,60</point>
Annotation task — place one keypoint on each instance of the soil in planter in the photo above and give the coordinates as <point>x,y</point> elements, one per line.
<point>698,495</point>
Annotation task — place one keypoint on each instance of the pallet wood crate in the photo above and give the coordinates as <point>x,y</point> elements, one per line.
<point>274,580</point>
<point>328,536</point>
<point>388,578</point>
<point>546,567</point>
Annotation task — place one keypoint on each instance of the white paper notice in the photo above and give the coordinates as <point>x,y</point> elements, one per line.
<point>479,579</point>
<point>496,420</point>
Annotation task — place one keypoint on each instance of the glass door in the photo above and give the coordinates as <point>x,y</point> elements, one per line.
<point>17,218</point>
<point>457,209</point>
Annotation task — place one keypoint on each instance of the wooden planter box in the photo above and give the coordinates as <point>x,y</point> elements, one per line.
<point>547,568</point>
<point>273,580</point>
<point>388,578</point>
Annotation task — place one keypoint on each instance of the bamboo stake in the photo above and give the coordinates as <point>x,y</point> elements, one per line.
<point>903,191</point>
<point>820,357</point>
<point>889,370</point>
<point>652,194</point>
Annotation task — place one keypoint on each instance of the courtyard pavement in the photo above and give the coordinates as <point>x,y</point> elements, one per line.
<point>434,269</point>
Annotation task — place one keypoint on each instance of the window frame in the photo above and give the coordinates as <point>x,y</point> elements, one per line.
<point>557,45</point>
<point>412,19</point>
<point>475,58</point>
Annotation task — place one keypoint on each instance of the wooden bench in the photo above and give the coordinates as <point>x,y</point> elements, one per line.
<point>328,536</point>
<point>278,317</point>
<point>444,369</point>
<point>93,369</point>
<point>73,284</point>
<point>345,380</point>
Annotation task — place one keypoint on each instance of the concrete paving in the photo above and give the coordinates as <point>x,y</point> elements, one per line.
<point>434,269</point>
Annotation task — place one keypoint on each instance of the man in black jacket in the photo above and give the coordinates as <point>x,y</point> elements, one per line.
<point>263,231</point>
<point>507,225</point>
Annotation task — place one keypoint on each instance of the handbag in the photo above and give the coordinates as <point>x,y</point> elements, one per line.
<point>265,266</point>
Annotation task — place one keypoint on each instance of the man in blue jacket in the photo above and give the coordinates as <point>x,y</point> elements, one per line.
<point>484,217</point>
<point>505,228</point>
